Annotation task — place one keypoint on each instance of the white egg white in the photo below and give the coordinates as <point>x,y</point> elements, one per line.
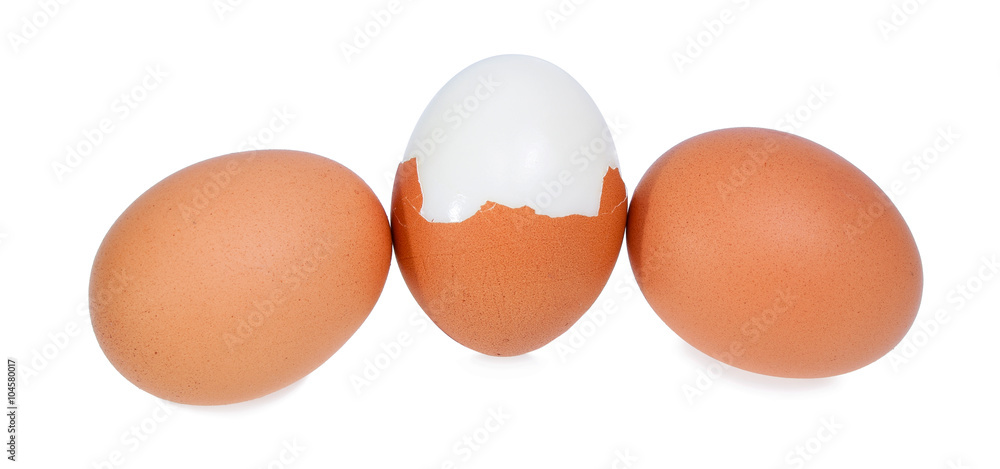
<point>514,130</point>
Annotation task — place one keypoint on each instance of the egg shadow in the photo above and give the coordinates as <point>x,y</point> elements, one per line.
<point>758,382</point>
<point>245,406</point>
<point>502,367</point>
<point>772,384</point>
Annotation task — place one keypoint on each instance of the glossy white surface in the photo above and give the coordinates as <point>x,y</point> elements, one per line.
<point>515,130</point>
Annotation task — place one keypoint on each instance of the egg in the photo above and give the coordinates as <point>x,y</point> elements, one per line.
<point>773,254</point>
<point>508,210</point>
<point>239,275</point>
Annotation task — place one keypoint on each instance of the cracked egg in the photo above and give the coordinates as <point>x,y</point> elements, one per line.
<point>508,211</point>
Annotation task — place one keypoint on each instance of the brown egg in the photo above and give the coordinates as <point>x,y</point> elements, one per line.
<point>773,254</point>
<point>238,275</point>
<point>508,211</point>
<point>506,281</point>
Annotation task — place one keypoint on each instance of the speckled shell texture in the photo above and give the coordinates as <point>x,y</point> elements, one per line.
<point>239,275</point>
<point>506,281</point>
<point>773,254</point>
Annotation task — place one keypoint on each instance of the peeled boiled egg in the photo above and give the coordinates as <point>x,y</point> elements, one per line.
<point>239,275</point>
<point>773,254</point>
<point>508,210</point>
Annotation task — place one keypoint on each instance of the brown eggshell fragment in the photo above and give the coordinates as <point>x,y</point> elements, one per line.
<point>773,254</point>
<point>239,275</point>
<point>506,281</point>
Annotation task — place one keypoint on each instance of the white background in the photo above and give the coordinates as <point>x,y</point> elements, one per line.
<point>618,400</point>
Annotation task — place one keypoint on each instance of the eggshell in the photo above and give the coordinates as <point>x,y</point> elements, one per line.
<point>508,210</point>
<point>506,281</point>
<point>238,275</point>
<point>773,254</point>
